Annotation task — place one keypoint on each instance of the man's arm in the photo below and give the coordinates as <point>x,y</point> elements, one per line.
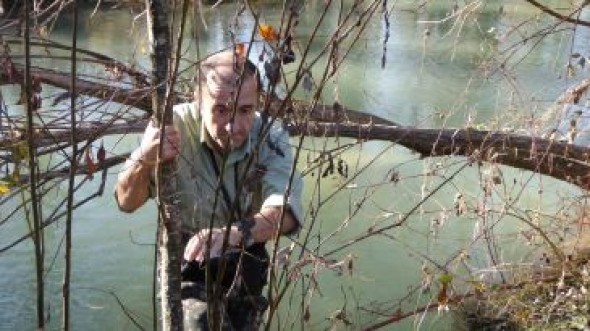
<point>132,189</point>
<point>277,157</point>
<point>133,184</point>
<point>268,220</point>
<point>264,228</point>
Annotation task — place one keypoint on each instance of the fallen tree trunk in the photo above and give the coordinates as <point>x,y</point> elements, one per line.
<point>557,159</point>
<point>560,160</point>
<point>140,98</point>
<point>136,97</point>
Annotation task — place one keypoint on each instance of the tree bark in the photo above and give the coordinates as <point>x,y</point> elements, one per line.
<point>560,160</point>
<point>169,215</point>
<point>140,97</point>
<point>557,159</point>
<point>72,178</point>
<point>32,163</point>
<point>559,16</point>
<point>136,97</point>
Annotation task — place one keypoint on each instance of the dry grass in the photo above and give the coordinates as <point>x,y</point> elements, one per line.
<point>550,295</point>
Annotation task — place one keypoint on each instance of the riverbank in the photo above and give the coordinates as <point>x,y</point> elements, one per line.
<point>547,295</point>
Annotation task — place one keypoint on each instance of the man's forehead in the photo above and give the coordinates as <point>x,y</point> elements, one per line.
<point>222,76</point>
<point>221,89</point>
<point>223,58</point>
<point>226,65</point>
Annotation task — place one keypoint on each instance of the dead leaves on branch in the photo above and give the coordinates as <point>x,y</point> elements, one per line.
<point>240,49</point>
<point>119,82</point>
<point>327,164</point>
<point>19,153</point>
<point>314,261</point>
<point>35,94</point>
<point>89,162</point>
<point>9,75</point>
<point>443,296</point>
<point>267,32</point>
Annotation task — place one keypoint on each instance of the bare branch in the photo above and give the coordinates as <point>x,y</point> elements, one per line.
<point>557,15</point>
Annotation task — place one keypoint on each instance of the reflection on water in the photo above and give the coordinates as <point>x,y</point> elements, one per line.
<point>434,76</point>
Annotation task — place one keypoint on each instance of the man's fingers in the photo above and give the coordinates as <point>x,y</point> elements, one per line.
<point>214,247</point>
<point>190,249</point>
<point>196,248</point>
<point>198,254</point>
<point>216,243</point>
<point>169,152</point>
<point>171,144</point>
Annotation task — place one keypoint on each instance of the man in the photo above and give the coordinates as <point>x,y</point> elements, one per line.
<point>222,135</point>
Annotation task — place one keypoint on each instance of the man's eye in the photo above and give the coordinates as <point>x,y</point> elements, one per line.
<point>220,109</point>
<point>246,109</point>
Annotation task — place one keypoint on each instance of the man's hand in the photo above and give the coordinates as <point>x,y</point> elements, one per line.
<point>197,246</point>
<point>265,226</point>
<point>133,183</point>
<point>148,150</point>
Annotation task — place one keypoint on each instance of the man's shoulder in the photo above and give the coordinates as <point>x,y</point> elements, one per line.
<point>182,110</point>
<point>186,117</point>
<point>276,139</point>
<point>277,125</point>
<point>185,113</point>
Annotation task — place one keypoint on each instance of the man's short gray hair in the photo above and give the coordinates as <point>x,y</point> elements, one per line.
<point>226,68</point>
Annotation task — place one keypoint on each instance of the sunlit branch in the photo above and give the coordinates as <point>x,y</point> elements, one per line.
<point>559,16</point>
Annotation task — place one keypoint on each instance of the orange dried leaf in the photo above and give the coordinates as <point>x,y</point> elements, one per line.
<point>267,32</point>
<point>89,162</point>
<point>240,49</point>
<point>442,297</point>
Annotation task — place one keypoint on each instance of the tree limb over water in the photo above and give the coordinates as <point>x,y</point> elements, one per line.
<point>558,159</point>
<point>559,16</point>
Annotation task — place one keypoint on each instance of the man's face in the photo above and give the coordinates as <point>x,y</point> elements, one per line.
<point>229,131</point>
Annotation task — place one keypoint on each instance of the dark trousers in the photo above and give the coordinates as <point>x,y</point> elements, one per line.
<point>241,304</point>
<point>236,313</point>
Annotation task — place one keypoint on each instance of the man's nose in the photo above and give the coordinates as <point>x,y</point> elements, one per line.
<point>229,126</point>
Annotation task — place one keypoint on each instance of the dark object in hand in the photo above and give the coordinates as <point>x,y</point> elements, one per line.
<point>288,57</point>
<point>253,268</point>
